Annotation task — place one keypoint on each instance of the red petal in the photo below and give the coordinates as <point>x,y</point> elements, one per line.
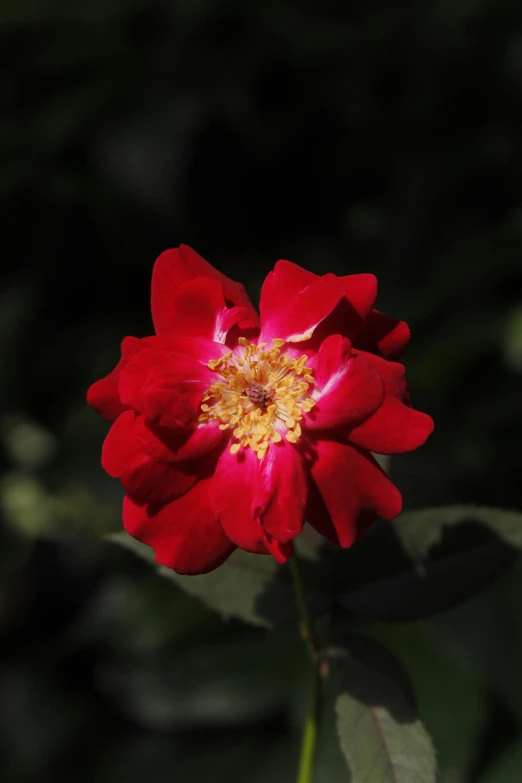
<point>120,447</point>
<point>281,551</point>
<point>393,429</point>
<point>196,308</point>
<point>383,336</point>
<point>348,317</point>
<point>361,292</point>
<point>351,485</point>
<point>184,534</point>
<point>300,314</point>
<point>198,348</point>
<point>167,445</point>
<point>146,480</point>
<point>103,395</point>
<point>179,265</point>
<point>165,387</point>
<point>252,497</point>
<point>393,375</point>
<point>333,355</point>
<point>286,281</point>
<point>347,388</point>
<point>229,326</point>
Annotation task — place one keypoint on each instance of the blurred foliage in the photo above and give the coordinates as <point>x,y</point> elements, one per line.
<point>379,136</point>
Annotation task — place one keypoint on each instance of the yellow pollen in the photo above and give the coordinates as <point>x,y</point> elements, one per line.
<point>260,395</point>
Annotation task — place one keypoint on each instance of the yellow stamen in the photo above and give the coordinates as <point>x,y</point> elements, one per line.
<point>260,395</point>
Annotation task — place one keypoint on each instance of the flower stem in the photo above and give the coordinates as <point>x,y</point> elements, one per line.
<point>309,738</point>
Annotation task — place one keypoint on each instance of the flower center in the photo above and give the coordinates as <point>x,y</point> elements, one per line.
<point>261,394</point>
<point>258,394</point>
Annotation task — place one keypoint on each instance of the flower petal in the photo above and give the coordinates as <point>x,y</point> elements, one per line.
<point>383,336</point>
<point>393,375</point>
<point>347,388</point>
<point>395,427</point>
<point>103,395</point>
<point>361,292</point>
<point>184,534</point>
<point>351,487</point>
<point>166,445</point>
<point>146,480</point>
<point>348,317</point>
<point>286,281</point>
<point>281,551</point>
<point>177,266</point>
<point>252,497</point>
<point>165,387</point>
<point>300,314</point>
<point>199,310</point>
<point>199,348</point>
<point>196,308</point>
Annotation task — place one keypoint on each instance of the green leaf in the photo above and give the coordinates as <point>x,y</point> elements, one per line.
<point>454,715</point>
<point>427,561</point>
<point>381,736</point>
<point>233,589</point>
<point>419,530</point>
<point>485,634</point>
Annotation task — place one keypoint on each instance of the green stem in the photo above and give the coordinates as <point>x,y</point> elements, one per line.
<point>309,738</point>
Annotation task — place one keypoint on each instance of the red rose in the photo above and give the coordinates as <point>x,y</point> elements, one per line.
<point>231,429</point>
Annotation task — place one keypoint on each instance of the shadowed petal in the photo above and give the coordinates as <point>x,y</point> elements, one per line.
<point>167,445</point>
<point>145,479</point>
<point>165,387</point>
<point>383,336</point>
<point>103,395</point>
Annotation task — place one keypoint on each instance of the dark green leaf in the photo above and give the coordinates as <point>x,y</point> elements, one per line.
<point>426,561</point>
<point>419,530</point>
<point>381,736</point>
<point>454,715</point>
<point>486,635</point>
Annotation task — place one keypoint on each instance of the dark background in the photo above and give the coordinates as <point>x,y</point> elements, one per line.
<point>376,135</point>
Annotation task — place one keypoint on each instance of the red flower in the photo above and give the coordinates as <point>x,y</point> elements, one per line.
<point>231,429</point>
